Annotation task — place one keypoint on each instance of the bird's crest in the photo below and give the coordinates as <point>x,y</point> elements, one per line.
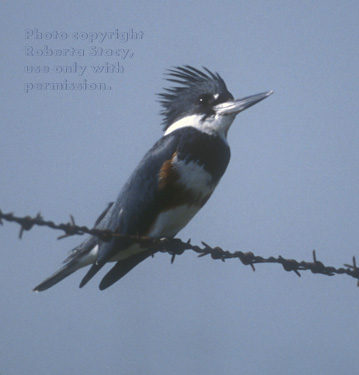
<point>192,83</point>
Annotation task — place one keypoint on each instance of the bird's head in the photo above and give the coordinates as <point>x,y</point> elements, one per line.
<point>201,100</point>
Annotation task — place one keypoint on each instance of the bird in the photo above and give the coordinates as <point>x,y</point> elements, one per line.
<point>172,182</point>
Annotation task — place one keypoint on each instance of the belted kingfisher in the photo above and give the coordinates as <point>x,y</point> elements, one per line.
<point>174,179</point>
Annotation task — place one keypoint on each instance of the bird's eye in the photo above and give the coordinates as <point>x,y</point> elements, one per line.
<point>204,99</point>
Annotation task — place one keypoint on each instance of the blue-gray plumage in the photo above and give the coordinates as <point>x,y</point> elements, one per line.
<point>174,179</point>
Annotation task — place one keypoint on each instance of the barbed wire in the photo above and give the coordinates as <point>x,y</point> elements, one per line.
<point>175,246</point>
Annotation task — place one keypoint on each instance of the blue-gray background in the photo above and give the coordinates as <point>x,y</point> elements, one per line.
<point>291,187</point>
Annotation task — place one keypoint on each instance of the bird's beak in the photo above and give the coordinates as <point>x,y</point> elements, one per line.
<point>233,107</point>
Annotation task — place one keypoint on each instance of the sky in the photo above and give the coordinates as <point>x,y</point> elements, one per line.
<point>291,186</point>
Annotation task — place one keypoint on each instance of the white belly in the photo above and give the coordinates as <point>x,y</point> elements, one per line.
<point>170,222</point>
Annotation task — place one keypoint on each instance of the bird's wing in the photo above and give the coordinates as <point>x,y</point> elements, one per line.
<point>135,210</point>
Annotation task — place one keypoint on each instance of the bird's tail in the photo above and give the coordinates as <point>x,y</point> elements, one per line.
<point>79,257</point>
<point>59,275</point>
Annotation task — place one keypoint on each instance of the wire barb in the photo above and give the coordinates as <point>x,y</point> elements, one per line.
<point>354,268</point>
